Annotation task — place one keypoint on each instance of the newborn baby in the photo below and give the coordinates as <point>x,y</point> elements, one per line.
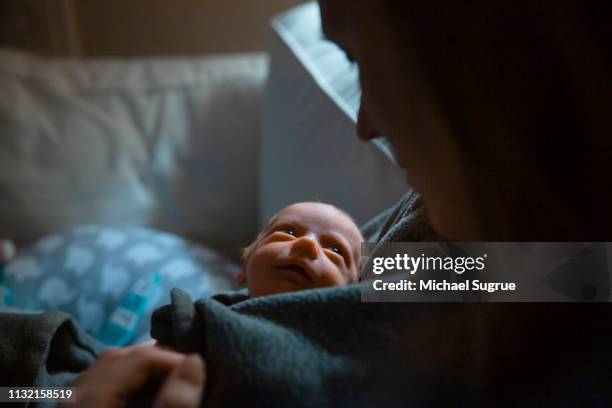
<point>305,246</point>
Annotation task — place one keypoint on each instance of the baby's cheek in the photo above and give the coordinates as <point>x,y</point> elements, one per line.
<point>332,277</point>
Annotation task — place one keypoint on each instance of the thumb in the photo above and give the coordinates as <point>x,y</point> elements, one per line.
<point>184,387</point>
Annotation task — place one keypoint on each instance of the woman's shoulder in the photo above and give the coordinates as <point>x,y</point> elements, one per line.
<point>406,221</point>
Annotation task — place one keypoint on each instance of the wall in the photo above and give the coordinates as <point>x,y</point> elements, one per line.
<point>138,27</point>
<point>46,26</point>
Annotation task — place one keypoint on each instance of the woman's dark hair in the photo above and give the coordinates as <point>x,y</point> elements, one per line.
<point>526,89</point>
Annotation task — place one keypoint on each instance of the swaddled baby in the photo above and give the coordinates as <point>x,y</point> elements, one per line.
<point>305,246</point>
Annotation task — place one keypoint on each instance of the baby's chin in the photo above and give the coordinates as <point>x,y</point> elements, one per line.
<point>281,286</point>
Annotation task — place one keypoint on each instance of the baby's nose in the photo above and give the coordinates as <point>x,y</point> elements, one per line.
<point>305,247</point>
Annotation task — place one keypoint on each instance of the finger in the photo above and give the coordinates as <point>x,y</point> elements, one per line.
<point>119,373</point>
<point>147,362</point>
<point>144,344</point>
<point>184,387</point>
<point>152,342</point>
<point>148,343</point>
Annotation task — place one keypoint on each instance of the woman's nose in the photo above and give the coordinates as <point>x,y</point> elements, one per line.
<point>365,128</point>
<point>305,247</point>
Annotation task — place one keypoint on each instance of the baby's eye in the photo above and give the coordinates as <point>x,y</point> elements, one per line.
<point>336,250</point>
<point>289,231</point>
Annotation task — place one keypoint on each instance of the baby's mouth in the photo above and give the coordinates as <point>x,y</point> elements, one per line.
<point>296,267</point>
<point>299,269</point>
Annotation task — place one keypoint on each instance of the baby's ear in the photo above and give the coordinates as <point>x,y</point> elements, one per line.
<point>241,278</point>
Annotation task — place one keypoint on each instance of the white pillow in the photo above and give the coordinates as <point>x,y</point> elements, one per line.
<point>169,143</point>
<point>310,149</point>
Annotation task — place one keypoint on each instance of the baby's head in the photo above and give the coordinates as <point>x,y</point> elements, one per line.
<point>305,246</point>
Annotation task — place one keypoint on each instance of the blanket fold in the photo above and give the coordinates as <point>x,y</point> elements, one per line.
<point>290,349</point>
<point>43,349</point>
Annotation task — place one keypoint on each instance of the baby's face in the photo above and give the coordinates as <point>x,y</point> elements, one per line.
<point>305,246</point>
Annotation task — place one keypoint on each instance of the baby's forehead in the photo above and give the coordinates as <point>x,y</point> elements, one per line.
<point>314,212</point>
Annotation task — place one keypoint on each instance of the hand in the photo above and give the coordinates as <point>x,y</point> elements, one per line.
<point>121,373</point>
<point>7,250</point>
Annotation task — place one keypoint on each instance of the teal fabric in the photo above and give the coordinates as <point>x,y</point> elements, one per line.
<point>88,271</point>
